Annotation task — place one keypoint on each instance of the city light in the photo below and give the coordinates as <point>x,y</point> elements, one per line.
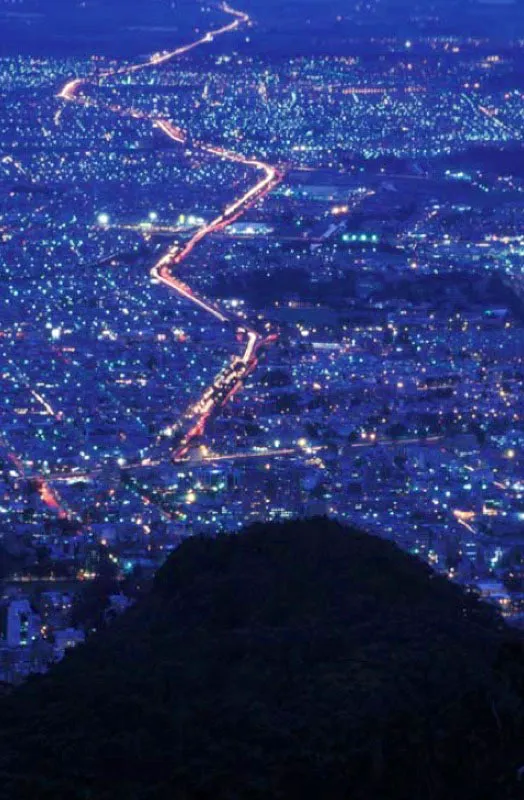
<point>246,283</point>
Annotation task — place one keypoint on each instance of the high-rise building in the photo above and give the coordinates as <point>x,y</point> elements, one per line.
<point>19,623</point>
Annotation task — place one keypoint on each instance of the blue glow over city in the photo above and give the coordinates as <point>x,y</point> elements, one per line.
<point>257,266</point>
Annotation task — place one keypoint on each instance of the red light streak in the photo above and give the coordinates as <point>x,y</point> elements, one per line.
<point>162,270</point>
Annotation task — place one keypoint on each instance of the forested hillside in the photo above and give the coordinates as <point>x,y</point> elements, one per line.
<point>296,660</point>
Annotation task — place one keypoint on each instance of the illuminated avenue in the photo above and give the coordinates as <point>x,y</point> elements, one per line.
<point>274,272</point>
<point>230,380</point>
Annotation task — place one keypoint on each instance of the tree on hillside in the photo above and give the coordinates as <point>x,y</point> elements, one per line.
<point>296,660</point>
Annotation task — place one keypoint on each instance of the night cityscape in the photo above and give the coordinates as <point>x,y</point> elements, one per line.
<point>260,263</point>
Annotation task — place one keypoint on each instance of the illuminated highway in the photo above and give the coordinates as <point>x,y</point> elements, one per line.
<point>40,485</point>
<point>203,456</point>
<point>231,379</point>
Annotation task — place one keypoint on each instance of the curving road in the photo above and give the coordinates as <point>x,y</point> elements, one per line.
<point>231,379</point>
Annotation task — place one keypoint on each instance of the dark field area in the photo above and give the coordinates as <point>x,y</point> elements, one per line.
<point>122,27</point>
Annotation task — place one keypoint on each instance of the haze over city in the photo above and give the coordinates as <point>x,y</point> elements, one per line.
<point>261,262</point>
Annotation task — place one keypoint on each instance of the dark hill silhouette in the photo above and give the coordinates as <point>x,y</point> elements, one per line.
<point>302,660</point>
